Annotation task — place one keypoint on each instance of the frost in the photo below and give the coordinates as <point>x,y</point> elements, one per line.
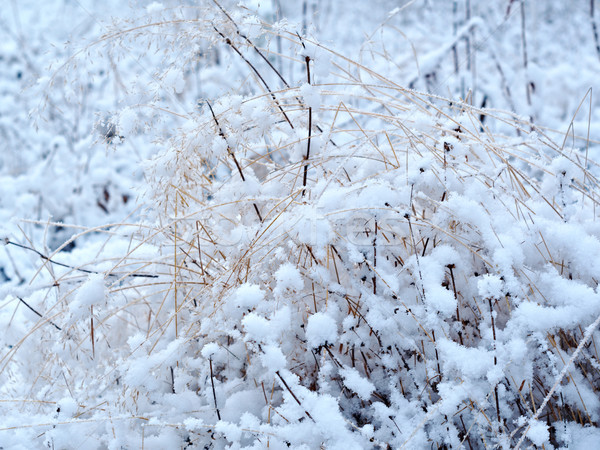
<point>242,405</point>
<point>471,362</point>
<point>91,292</point>
<point>209,350</point>
<point>136,341</point>
<point>193,424</point>
<point>67,407</point>
<point>257,327</point>
<point>232,432</point>
<point>273,359</point>
<point>248,296</point>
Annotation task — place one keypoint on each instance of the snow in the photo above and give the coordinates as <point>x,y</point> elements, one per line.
<point>248,296</point>
<point>311,96</point>
<point>288,279</point>
<point>91,293</point>
<point>154,7</point>
<point>127,121</point>
<point>68,407</point>
<point>321,329</point>
<point>538,433</point>
<point>490,286</point>
<point>242,404</point>
<point>174,80</point>
<point>173,276</point>
<point>354,381</point>
<point>273,358</point>
<point>578,437</point>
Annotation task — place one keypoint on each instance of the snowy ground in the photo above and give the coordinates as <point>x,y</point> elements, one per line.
<point>299,224</point>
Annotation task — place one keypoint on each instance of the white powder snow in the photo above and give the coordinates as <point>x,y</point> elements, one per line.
<point>357,383</point>
<point>311,96</point>
<point>154,7</point>
<point>321,329</point>
<point>225,272</point>
<point>127,121</point>
<point>538,433</point>
<point>91,293</point>
<point>288,278</point>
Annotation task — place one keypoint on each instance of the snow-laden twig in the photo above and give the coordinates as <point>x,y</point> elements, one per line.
<point>563,373</point>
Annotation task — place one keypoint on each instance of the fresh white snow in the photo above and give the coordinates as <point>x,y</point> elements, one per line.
<point>206,248</point>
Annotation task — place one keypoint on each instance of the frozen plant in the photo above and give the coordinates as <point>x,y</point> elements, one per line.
<point>339,262</point>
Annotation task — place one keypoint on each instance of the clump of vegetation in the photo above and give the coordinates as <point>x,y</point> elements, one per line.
<point>339,261</point>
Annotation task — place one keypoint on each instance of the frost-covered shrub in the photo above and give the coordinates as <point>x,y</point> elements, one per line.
<point>339,263</point>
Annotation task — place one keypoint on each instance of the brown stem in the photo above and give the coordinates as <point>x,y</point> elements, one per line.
<point>92,331</point>
<point>466,432</point>
<point>450,268</point>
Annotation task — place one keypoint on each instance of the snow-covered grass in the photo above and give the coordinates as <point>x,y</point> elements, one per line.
<point>333,262</point>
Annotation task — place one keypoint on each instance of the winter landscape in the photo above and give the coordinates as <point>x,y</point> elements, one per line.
<point>306,224</point>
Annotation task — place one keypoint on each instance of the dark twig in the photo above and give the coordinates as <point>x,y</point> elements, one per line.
<point>412,236</point>
<point>460,336</point>
<point>41,255</point>
<point>260,77</point>
<point>495,359</point>
<point>375,259</point>
<point>42,317</point>
<point>222,134</point>
<point>173,380</point>
<point>232,154</point>
<point>265,59</point>
<point>92,332</point>
<point>466,433</point>
<point>293,395</point>
<point>508,9</point>
<point>594,27</point>
<point>212,382</point>
<point>307,59</point>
